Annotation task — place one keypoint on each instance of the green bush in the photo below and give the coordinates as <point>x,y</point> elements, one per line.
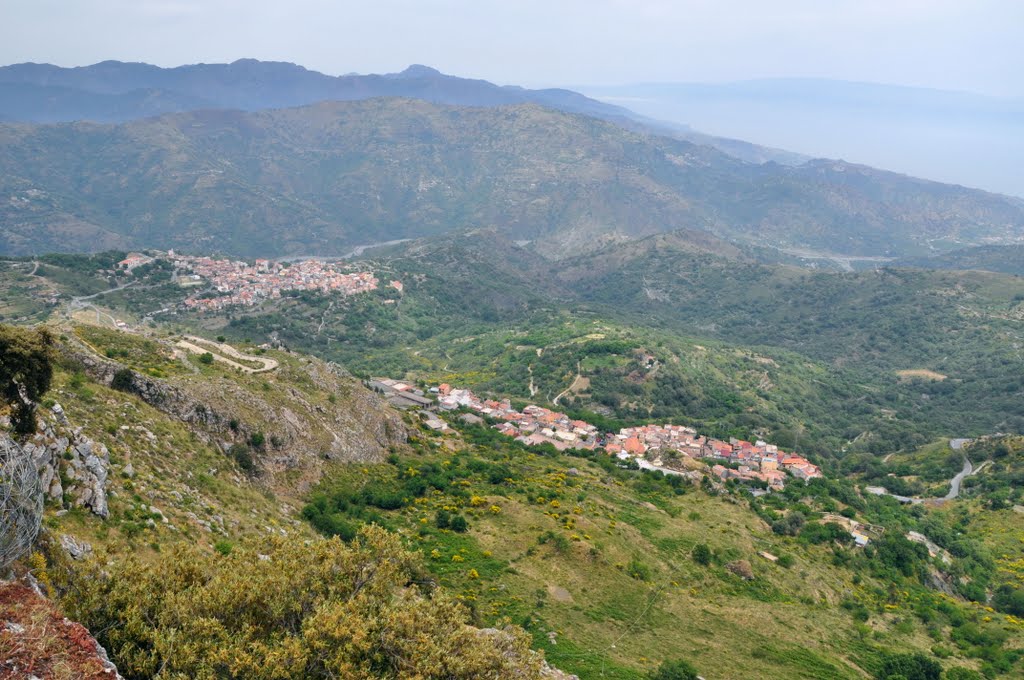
<point>917,666</point>
<point>638,570</point>
<point>241,454</point>
<point>675,670</point>
<point>123,380</point>
<point>701,554</point>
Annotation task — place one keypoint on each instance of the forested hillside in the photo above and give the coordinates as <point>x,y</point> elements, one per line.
<point>323,178</point>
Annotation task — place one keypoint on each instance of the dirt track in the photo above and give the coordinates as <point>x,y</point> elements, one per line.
<point>221,352</point>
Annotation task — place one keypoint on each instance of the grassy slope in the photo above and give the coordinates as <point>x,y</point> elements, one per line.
<point>570,575</point>
<point>303,411</point>
<point>183,477</point>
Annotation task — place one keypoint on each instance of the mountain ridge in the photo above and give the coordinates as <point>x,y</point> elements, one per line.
<point>114,91</point>
<point>321,178</point>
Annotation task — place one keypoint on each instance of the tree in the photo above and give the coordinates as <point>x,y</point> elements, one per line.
<point>26,371</point>
<point>206,358</point>
<point>675,670</point>
<point>790,524</point>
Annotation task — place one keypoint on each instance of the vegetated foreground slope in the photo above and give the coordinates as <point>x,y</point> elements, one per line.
<point>598,562</point>
<point>613,570</point>
<point>199,451</point>
<point>322,178</point>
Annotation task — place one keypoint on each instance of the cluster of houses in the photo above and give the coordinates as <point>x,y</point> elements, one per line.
<point>533,425</point>
<point>240,283</point>
<point>660,444</point>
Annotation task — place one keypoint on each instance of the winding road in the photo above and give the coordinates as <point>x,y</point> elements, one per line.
<point>954,483</point>
<point>221,352</point>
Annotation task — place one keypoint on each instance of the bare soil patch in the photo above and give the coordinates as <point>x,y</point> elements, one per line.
<point>920,374</point>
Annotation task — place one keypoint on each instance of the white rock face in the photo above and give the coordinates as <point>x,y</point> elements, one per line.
<point>85,464</point>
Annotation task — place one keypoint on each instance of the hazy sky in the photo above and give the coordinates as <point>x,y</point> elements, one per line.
<point>951,44</point>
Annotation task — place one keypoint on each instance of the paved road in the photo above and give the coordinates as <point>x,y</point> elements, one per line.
<point>954,484</point>
<point>78,300</point>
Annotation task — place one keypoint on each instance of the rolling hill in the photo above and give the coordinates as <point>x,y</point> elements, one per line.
<point>1005,259</point>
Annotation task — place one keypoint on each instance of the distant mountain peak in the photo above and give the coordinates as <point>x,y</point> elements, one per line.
<point>419,71</point>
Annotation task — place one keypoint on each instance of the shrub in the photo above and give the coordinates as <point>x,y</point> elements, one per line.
<point>789,525</point>
<point>192,614</point>
<point>1009,600</point>
<point>701,554</point>
<point>442,519</point>
<point>917,666</point>
<point>638,570</point>
<point>459,524</point>
<point>123,380</point>
<point>675,670</point>
<point>206,358</point>
<point>825,532</point>
<point>241,454</point>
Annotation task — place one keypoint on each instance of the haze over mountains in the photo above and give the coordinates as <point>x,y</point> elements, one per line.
<point>114,91</point>
<point>960,137</point>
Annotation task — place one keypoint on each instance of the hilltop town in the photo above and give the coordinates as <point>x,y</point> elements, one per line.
<point>664,447</point>
<point>238,283</point>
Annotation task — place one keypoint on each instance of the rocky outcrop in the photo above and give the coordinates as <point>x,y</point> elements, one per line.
<point>157,393</point>
<point>298,431</point>
<point>73,468</point>
<point>76,549</point>
<point>532,663</point>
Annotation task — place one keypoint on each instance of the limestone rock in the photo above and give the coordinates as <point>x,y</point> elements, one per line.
<point>58,412</point>
<point>74,548</point>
